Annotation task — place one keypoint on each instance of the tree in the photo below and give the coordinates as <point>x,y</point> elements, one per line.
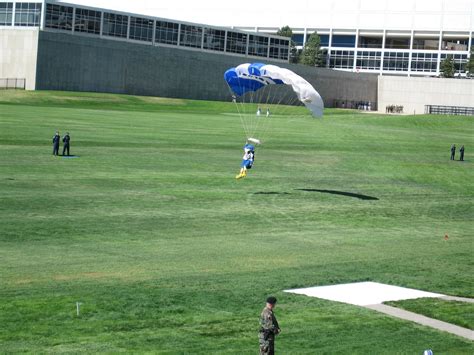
<point>446,67</point>
<point>286,31</point>
<point>470,63</point>
<point>312,54</point>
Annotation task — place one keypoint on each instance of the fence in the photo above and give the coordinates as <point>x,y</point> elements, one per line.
<point>449,110</point>
<point>12,83</point>
<point>357,105</point>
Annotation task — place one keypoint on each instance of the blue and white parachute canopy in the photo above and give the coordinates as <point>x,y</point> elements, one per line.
<point>252,77</point>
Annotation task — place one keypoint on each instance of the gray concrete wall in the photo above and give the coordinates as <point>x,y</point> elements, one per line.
<point>80,63</point>
<point>414,93</point>
<point>18,55</point>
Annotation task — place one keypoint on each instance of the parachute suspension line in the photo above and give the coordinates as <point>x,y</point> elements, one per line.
<point>234,100</point>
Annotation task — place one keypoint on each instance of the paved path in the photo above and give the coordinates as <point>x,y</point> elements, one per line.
<point>430,322</point>
<point>459,299</point>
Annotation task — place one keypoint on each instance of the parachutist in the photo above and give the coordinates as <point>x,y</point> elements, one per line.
<point>247,160</point>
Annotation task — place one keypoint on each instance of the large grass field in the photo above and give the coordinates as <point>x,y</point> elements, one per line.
<point>168,253</point>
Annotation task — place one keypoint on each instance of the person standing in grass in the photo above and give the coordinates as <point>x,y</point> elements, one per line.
<point>56,139</point>
<point>461,153</point>
<point>269,328</point>
<point>453,151</point>
<point>66,140</point>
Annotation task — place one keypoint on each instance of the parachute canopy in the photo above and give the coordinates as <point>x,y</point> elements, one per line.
<point>252,77</point>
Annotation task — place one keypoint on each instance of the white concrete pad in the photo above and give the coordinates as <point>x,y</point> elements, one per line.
<point>363,293</point>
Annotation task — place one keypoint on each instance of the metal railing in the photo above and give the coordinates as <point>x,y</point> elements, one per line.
<point>449,110</point>
<point>12,83</point>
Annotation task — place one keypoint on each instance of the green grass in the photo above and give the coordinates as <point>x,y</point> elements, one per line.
<point>168,253</point>
<point>459,313</point>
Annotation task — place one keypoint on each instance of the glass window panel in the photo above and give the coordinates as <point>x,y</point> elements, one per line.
<point>258,46</point>
<point>190,36</point>
<point>455,44</point>
<point>236,42</point>
<point>166,32</point>
<point>115,25</point>
<point>59,17</point>
<point>279,48</point>
<point>396,61</point>
<point>324,40</point>
<point>343,41</point>
<point>87,21</point>
<point>214,39</point>
<point>370,42</point>
<point>141,29</point>
<point>341,59</point>
<point>426,43</point>
<point>298,39</point>
<point>6,13</point>
<point>397,42</point>
<point>27,14</point>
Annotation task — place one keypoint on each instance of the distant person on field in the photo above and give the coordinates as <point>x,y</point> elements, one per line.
<point>259,111</point>
<point>66,140</point>
<point>453,151</point>
<point>269,328</point>
<point>56,139</point>
<point>461,153</point>
<point>268,112</point>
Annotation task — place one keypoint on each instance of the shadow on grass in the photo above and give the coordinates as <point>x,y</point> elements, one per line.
<point>343,193</point>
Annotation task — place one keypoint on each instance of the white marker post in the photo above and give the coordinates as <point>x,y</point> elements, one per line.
<point>78,308</point>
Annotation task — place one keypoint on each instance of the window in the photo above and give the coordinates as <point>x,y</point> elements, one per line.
<point>258,46</point>
<point>27,14</point>
<point>279,48</point>
<point>397,42</point>
<point>297,38</point>
<point>368,60</point>
<point>455,44</point>
<point>87,21</point>
<point>214,39</point>
<point>396,61</point>
<point>324,40</point>
<point>426,43</point>
<point>141,29</point>
<point>115,25</point>
<point>424,62</point>
<point>190,36</point>
<point>343,41</point>
<point>341,59</point>
<point>460,61</point>
<point>236,42</point>
<point>6,13</point>
<point>59,17</point>
<point>166,32</point>
<point>370,42</point>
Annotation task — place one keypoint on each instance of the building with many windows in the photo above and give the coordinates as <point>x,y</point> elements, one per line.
<point>49,15</point>
<point>404,37</point>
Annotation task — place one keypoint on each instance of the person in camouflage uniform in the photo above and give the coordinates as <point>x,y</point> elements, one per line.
<point>269,328</point>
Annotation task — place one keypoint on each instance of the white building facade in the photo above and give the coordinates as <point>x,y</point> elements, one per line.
<point>405,37</point>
